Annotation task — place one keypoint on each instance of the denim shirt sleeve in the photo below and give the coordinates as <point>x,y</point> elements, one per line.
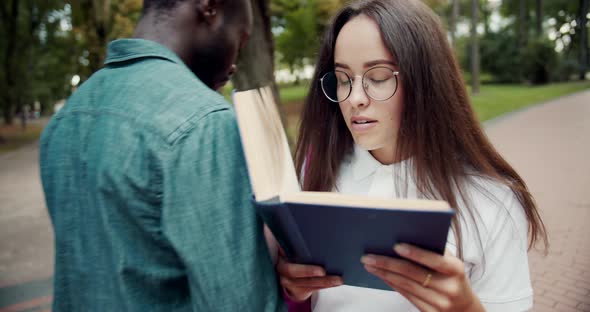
<point>209,219</point>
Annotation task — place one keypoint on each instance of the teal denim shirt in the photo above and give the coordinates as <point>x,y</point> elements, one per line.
<point>148,192</point>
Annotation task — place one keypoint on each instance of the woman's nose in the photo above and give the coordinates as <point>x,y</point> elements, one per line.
<point>358,97</point>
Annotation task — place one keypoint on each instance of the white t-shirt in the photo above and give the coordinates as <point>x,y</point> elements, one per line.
<point>500,279</point>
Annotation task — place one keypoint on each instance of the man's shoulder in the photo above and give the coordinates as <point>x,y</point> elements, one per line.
<point>159,95</point>
<point>178,100</point>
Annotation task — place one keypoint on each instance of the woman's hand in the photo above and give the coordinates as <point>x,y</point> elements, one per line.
<point>300,281</point>
<point>439,285</point>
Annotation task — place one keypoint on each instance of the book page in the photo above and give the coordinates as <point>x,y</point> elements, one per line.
<point>269,160</point>
<point>346,200</point>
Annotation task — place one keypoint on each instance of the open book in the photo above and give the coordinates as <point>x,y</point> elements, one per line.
<point>327,229</point>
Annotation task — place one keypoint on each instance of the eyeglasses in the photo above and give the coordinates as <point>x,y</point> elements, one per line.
<point>379,83</point>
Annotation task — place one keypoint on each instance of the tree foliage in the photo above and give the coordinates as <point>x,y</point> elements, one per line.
<point>43,43</point>
<point>298,27</point>
<point>22,29</point>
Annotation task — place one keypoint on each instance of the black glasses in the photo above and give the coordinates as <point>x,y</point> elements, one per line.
<point>379,83</point>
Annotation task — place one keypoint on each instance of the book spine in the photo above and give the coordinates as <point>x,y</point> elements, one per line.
<point>302,253</point>
<point>282,224</point>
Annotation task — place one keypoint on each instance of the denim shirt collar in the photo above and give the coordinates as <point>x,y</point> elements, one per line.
<point>128,49</point>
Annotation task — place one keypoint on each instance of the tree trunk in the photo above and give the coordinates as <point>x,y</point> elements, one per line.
<point>485,12</point>
<point>93,17</point>
<point>24,91</point>
<point>256,60</point>
<point>7,112</point>
<point>582,16</point>
<point>474,48</point>
<point>100,16</point>
<point>24,115</point>
<point>9,62</point>
<point>539,17</point>
<point>454,20</point>
<point>522,33</point>
<point>522,30</point>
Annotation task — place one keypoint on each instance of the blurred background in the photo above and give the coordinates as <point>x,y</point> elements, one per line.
<point>514,53</point>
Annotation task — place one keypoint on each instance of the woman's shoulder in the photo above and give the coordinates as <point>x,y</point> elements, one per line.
<point>487,189</point>
<point>493,205</point>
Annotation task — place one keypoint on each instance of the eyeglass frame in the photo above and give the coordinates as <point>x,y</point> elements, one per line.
<point>351,80</point>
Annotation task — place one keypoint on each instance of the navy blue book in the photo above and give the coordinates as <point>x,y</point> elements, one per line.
<point>322,228</point>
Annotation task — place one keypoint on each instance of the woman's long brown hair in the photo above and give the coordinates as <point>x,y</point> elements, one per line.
<point>438,128</point>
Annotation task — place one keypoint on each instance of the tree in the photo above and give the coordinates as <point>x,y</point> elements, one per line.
<point>297,27</point>
<point>298,40</point>
<point>20,31</point>
<point>92,18</point>
<point>99,21</point>
<point>485,14</point>
<point>539,17</point>
<point>256,60</point>
<point>453,20</point>
<point>10,12</point>
<point>40,51</point>
<point>522,23</point>
<point>582,22</point>
<point>563,26</point>
<point>571,31</point>
<point>54,71</point>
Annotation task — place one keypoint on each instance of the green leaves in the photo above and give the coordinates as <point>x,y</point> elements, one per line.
<point>49,41</point>
<point>298,26</point>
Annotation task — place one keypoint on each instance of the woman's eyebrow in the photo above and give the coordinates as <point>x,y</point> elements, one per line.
<point>341,65</point>
<point>368,64</point>
<point>379,62</point>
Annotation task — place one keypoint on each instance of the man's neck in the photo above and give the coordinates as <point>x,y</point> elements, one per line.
<point>160,31</point>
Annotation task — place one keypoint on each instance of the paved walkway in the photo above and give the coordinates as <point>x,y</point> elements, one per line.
<point>548,144</point>
<point>26,244</point>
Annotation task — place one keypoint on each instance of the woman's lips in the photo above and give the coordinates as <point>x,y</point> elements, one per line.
<point>361,124</point>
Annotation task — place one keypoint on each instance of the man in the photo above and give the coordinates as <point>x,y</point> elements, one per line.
<point>145,179</point>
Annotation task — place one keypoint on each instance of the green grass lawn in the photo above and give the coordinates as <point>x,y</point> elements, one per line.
<point>495,100</point>
<point>293,93</point>
<point>289,94</point>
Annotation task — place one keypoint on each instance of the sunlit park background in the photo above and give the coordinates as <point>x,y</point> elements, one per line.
<point>514,53</point>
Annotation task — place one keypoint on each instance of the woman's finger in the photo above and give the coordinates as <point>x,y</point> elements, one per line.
<point>447,264</point>
<point>312,282</point>
<point>293,270</point>
<point>399,266</point>
<point>401,283</point>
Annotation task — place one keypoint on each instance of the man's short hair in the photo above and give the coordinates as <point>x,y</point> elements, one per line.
<point>159,5</point>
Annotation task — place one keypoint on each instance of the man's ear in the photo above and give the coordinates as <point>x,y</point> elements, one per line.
<point>208,10</point>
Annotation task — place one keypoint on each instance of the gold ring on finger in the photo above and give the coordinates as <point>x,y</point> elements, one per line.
<point>427,280</point>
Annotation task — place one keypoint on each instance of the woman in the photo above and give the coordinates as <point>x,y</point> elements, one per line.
<point>387,115</point>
